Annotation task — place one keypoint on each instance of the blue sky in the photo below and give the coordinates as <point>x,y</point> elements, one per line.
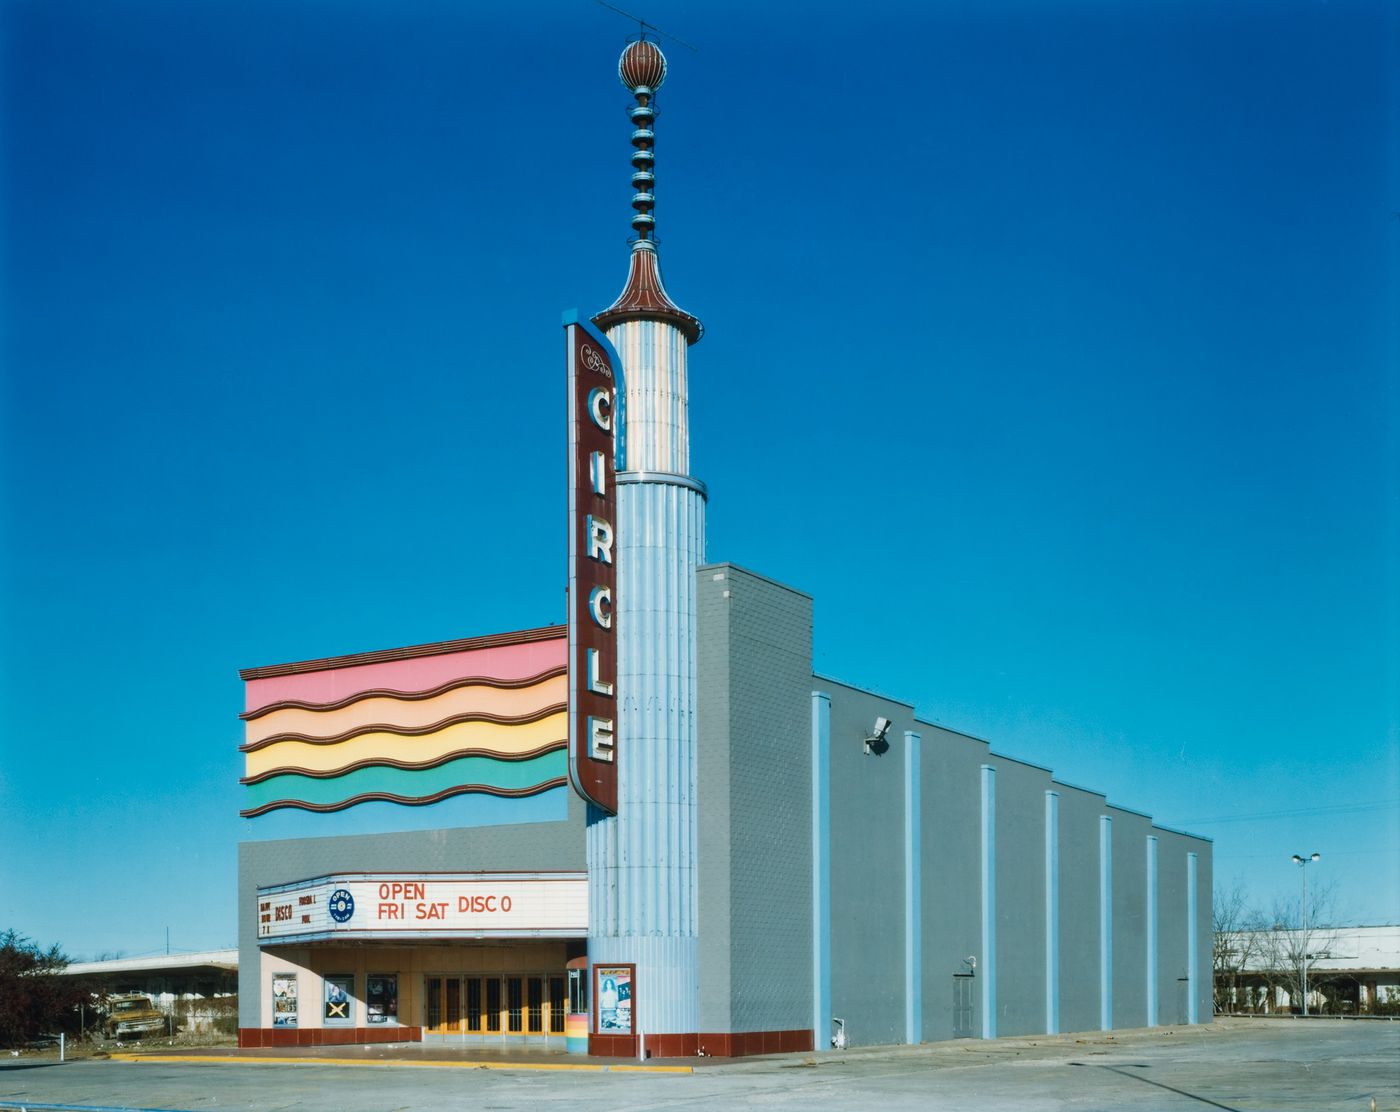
<point>1052,350</point>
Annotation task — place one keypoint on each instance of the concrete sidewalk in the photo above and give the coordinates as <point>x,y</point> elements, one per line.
<point>428,1054</point>
<point>438,1054</point>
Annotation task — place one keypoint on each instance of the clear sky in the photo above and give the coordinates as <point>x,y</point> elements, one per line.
<point>1052,348</point>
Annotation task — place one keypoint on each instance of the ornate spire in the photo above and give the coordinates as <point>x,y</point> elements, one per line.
<point>642,68</point>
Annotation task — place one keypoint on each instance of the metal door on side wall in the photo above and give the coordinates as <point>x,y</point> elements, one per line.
<point>964,1012</point>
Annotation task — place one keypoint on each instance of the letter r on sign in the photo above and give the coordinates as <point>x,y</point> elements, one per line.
<point>600,540</point>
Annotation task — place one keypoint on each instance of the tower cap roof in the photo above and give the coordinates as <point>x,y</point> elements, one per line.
<point>645,298</point>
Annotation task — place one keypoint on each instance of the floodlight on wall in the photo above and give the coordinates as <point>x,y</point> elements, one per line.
<point>875,742</point>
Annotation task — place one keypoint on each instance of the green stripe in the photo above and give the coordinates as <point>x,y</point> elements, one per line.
<point>398,781</point>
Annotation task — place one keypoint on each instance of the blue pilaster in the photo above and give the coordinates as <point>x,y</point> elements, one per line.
<point>913,895</point>
<point>821,870</point>
<point>1151,912</point>
<point>1105,923</point>
<point>1193,959</point>
<point>987,971</point>
<point>1052,913</point>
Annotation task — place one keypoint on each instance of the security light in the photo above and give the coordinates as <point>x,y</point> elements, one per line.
<point>876,742</point>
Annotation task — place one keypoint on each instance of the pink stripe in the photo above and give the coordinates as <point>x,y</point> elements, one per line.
<point>504,662</point>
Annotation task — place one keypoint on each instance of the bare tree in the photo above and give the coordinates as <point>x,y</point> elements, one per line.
<point>1237,945</point>
<point>35,997</point>
<point>1298,937</point>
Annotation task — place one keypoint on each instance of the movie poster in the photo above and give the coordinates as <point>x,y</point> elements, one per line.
<point>382,998</point>
<point>284,1000</point>
<point>614,996</point>
<point>338,993</point>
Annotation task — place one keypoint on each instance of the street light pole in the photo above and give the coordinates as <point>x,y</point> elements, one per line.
<point>1303,863</point>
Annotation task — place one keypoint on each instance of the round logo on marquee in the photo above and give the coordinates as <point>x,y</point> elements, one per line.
<point>342,905</point>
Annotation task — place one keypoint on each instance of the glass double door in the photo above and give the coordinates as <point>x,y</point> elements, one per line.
<point>513,1006</point>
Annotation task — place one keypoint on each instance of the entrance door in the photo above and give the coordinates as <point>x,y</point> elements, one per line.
<point>476,1006</point>
<point>963,984</point>
<point>516,1005</point>
<point>534,1005</point>
<point>444,1005</point>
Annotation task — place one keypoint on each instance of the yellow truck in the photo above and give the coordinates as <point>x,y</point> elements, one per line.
<point>132,1015</point>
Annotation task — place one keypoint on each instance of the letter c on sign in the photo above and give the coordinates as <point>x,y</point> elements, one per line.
<point>600,407</point>
<point>600,606</point>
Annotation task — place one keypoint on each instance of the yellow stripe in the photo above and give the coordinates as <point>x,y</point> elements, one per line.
<point>410,714</point>
<point>302,1060</point>
<point>492,736</point>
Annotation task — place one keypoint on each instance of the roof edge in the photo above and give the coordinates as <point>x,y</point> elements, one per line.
<point>408,652</point>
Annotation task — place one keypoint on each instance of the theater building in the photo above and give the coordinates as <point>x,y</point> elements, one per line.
<point>654,831</point>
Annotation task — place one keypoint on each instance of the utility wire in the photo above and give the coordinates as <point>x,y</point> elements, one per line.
<point>648,26</point>
<point>1333,809</point>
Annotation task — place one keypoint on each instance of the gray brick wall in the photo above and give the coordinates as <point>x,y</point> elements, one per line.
<point>754,855</point>
<point>951,857</point>
<point>754,665</point>
<point>1079,907</point>
<point>868,981</point>
<point>1130,831</point>
<point>1172,933</point>
<point>1020,884</point>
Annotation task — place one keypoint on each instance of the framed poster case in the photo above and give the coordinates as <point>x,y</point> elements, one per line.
<point>614,994</point>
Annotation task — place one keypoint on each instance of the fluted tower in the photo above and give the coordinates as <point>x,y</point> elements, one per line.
<point>642,860</point>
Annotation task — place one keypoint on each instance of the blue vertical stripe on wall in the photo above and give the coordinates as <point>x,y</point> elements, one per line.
<point>821,871</point>
<point>1151,931</point>
<point>1105,923</point>
<point>988,971</point>
<point>913,895</point>
<point>1193,971</point>
<point>1052,913</point>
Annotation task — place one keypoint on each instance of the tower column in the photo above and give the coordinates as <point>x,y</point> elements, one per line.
<point>641,861</point>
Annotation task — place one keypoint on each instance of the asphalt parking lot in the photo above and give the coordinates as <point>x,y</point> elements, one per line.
<point>1232,1064</point>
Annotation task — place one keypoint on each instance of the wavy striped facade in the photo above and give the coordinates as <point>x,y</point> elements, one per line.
<point>410,727</point>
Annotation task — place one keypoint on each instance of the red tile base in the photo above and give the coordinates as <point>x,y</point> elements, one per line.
<point>740,1044</point>
<point>736,1044</point>
<point>258,1037</point>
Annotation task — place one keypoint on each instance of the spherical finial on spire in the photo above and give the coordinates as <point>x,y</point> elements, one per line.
<point>642,65</point>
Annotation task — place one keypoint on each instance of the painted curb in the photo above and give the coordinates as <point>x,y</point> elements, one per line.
<point>240,1059</point>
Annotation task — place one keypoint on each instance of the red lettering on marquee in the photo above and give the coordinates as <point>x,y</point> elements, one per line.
<point>402,890</point>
